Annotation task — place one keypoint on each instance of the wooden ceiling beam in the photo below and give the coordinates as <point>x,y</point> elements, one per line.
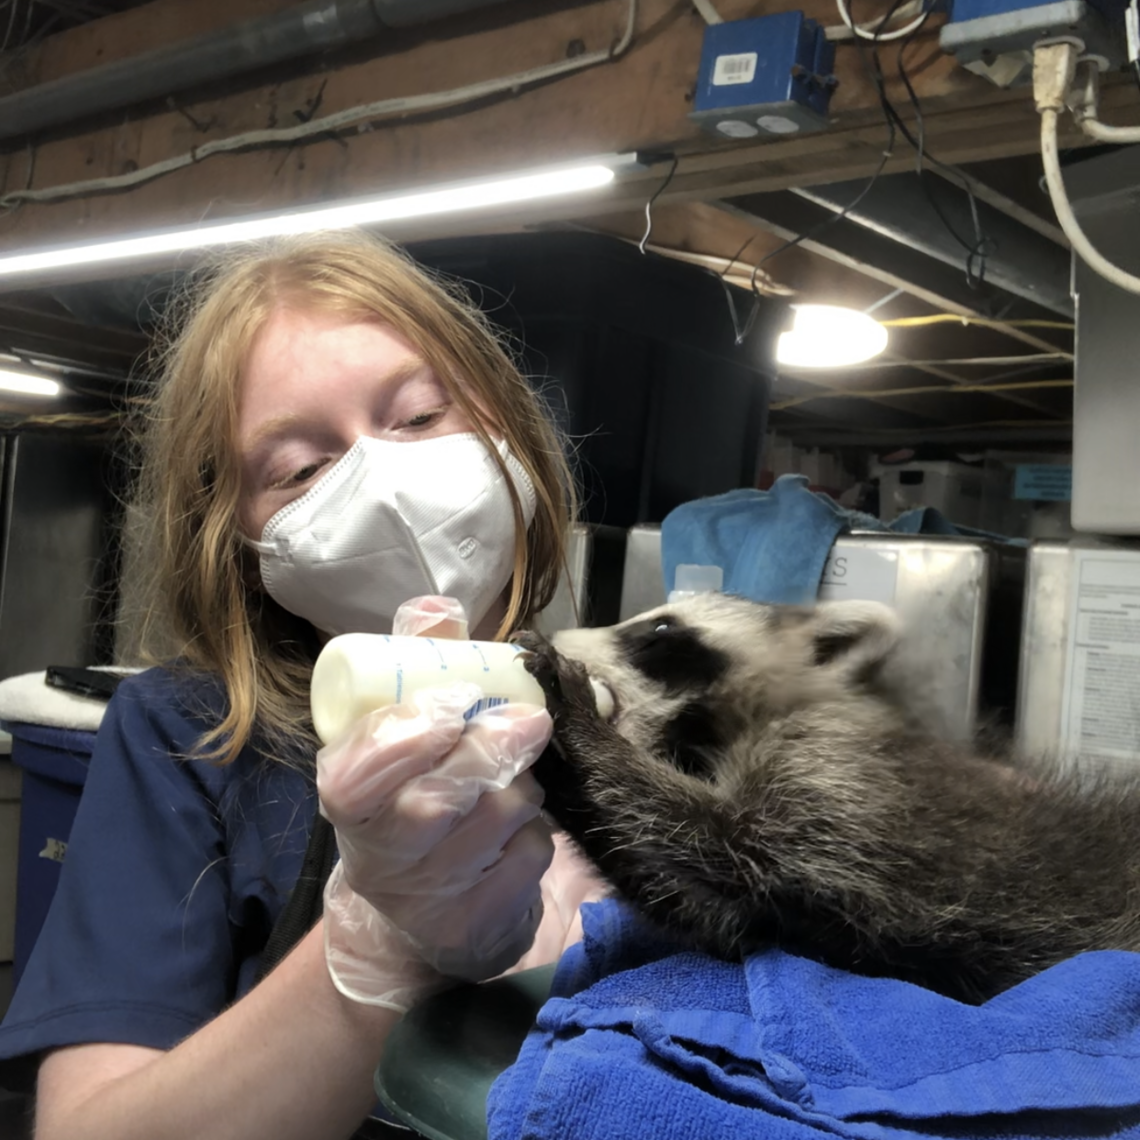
<point>938,302</point>
<point>27,329</point>
<point>638,102</point>
<point>700,228</point>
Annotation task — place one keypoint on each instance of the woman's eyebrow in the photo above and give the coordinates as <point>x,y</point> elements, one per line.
<point>279,427</point>
<point>273,429</point>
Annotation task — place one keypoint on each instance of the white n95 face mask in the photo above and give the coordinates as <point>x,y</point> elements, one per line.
<point>393,521</point>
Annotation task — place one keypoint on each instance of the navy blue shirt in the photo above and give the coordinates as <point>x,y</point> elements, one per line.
<point>176,870</point>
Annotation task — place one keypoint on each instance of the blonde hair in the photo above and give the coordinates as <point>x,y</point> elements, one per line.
<point>202,593</point>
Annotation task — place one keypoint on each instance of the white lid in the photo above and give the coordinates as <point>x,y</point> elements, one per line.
<point>691,579</point>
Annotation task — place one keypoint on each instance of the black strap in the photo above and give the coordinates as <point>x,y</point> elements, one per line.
<point>305,900</point>
<point>297,919</point>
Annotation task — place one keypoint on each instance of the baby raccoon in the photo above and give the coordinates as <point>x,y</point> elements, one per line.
<point>759,785</point>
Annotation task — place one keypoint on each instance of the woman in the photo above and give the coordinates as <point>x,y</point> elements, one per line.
<point>334,433</point>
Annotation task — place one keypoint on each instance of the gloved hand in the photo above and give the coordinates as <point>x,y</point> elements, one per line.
<point>441,841</point>
<point>432,616</point>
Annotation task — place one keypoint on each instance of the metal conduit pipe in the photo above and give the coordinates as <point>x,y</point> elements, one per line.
<point>213,56</point>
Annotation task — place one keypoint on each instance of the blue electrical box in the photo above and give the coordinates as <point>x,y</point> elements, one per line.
<point>772,75</point>
<point>995,38</point>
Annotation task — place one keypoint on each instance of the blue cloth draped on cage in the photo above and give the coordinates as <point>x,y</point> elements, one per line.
<point>644,1038</point>
<point>641,1038</point>
<point>772,545</point>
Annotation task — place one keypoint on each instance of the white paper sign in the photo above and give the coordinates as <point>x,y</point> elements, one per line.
<point>861,574</point>
<point>1101,710</point>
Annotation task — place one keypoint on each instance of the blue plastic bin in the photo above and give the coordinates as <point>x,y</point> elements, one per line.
<point>54,763</point>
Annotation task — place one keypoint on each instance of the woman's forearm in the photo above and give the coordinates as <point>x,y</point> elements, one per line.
<point>292,1060</point>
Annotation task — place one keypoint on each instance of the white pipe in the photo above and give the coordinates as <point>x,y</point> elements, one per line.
<point>871,30</point>
<point>1081,244</point>
<point>1104,133</point>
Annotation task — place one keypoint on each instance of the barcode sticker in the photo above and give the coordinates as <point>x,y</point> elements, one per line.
<point>483,705</point>
<point>730,69</point>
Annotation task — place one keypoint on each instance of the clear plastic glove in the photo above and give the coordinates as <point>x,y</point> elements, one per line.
<point>442,844</point>
<point>441,617</point>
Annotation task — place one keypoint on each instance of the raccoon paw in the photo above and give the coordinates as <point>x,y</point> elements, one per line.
<point>565,682</point>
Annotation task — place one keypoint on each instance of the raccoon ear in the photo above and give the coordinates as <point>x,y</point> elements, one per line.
<point>853,638</point>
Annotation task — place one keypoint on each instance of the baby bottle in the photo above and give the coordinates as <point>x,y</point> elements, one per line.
<point>357,673</point>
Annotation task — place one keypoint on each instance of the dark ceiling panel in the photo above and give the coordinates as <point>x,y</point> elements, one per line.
<point>938,218</point>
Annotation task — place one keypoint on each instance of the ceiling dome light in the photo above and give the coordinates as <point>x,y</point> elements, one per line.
<point>829,336</point>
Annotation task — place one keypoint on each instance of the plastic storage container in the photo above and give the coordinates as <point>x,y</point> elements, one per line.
<point>955,489</point>
<point>54,763</point>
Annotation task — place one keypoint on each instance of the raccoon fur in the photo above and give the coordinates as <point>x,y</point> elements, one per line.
<point>758,785</point>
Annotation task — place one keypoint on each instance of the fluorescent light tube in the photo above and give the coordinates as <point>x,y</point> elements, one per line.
<point>27,384</point>
<point>445,199</point>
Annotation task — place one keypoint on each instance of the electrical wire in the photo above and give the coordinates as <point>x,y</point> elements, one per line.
<point>1102,132</point>
<point>872,30</point>
<point>368,112</point>
<point>892,121</point>
<point>985,322</point>
<point>888,393</point>
<point>12,14</point>
<point>842,33</point>
<point>653,198</point>
<point>8,59</point>
<point>708,13</point>
<point>742,329</point>
<point>1034,358</point>
<point>1080,242</point>
<point>982,246</point>
<point>764,281</point>
<point>910,433</point>
<point>1083,98</point>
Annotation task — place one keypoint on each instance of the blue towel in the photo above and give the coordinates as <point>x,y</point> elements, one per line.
<point>773,545</point>
<point>643,1039</point>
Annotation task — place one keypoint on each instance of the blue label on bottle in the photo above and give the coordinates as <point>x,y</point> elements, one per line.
<point>483,705</point>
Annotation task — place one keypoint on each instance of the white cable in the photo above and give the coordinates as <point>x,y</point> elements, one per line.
<point>1083,99</point>
<point>868,31</point>
<point>401,105</point>
<point>1104,133</point>
<point>1081,244</point>
<point>708,13</point>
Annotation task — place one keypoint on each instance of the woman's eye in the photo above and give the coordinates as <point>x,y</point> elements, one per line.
<point>301,475</point>
<point>424,419</point>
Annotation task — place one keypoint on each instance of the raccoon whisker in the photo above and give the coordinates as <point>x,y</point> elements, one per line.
<point>634,841</point>
<point>739,858</point>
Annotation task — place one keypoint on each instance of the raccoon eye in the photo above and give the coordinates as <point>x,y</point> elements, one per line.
<point>666,650</point>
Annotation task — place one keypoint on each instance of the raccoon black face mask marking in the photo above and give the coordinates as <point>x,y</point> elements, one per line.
<point>757,785</point>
